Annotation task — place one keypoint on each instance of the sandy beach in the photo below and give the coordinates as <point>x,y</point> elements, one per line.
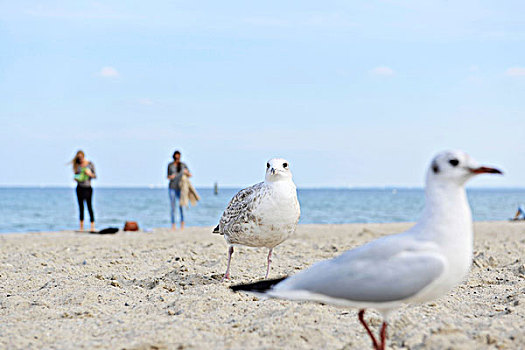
<point>163,290</point>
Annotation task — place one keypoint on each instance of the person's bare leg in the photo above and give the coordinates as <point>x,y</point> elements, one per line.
<point>93,227</point>
<point>182,225</point>
<point>81,225</point>
<point>227,274</point>
<point>361,315</point>
<point>269,262</point>
<point>173,227</point>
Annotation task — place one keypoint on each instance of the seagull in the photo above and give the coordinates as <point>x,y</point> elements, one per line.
<point>263,215</point>
<point>415,266</point>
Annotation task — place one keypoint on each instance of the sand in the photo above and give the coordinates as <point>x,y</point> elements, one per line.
<point>163,290</point>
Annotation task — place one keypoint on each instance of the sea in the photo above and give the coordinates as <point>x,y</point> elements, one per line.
<point>54,209</point>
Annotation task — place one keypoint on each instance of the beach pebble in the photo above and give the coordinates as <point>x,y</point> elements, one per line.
<point>115,284</point>
<point>487,338</point>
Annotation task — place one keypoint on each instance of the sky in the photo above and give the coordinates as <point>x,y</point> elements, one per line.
<point>360,93</point>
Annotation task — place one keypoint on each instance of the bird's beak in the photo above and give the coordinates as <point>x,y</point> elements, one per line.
<point>485,170</point>
<point>272,171</point>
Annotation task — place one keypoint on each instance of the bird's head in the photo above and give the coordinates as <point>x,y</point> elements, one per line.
<point>456,167</point>
<point>278,169</point>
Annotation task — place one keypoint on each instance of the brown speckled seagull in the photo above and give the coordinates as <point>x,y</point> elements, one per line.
<point>263,215</point>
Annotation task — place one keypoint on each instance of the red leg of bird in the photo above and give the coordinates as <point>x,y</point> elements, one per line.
<point>383,336</point>
<point>227,274</point>
<point>361,315</point>
<point>269,262</point>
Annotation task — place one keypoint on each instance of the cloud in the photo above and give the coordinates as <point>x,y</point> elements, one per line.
<point>383,71</point>
<point>515,72</point>
<point>108,72</point>
<point>473,68</point>
<point>266,22</point>
<point>314,20</point>
<point>145,101</point>
<point>90,11</point>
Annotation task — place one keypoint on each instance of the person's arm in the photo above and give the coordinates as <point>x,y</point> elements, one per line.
<point>186,171</point>
<point>90,171</point>
<point>171,176</point>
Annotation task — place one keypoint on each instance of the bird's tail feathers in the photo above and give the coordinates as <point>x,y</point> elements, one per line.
<point>216,230</point>
<point>258,287</point>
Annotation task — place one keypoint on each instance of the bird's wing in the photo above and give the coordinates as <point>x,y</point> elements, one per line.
<point>388,269</point>
<point>240,206</point>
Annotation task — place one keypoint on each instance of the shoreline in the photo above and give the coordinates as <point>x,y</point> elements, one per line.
<point>163,289</point>
<point>162,229</point>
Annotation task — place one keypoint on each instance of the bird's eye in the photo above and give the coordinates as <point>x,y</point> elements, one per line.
<point>267,165</point>
<point>285,165</point>
<point>435,167</point>
<point>454,162</point>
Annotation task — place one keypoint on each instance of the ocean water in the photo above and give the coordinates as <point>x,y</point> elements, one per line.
<point>52,209</point>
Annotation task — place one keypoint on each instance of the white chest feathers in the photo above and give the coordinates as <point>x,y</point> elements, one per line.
<point>268,215</point>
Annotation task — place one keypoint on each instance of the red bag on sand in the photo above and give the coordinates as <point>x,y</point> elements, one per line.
<point>131,226</point>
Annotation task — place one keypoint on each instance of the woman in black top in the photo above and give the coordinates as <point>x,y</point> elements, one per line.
<point>84,171</point>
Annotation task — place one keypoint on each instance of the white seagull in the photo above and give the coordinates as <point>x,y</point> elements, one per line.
<point>415,266</point>
<point>263,215</point>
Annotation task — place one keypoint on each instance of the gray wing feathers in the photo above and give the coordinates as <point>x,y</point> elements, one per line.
<point>240,204</point>
<point>372,278</point>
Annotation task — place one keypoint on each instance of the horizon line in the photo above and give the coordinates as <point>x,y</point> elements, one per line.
<point>233,187</point>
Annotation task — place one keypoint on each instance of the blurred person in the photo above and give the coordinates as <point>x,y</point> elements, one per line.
<point>84,172</point>
<point>520,212</point>
<point>176,170</point>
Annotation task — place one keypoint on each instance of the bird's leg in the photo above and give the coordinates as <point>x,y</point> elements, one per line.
<point>383,336</point>
<point>361,315</point>
<point>269,262</point>
<point>227,274</point>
